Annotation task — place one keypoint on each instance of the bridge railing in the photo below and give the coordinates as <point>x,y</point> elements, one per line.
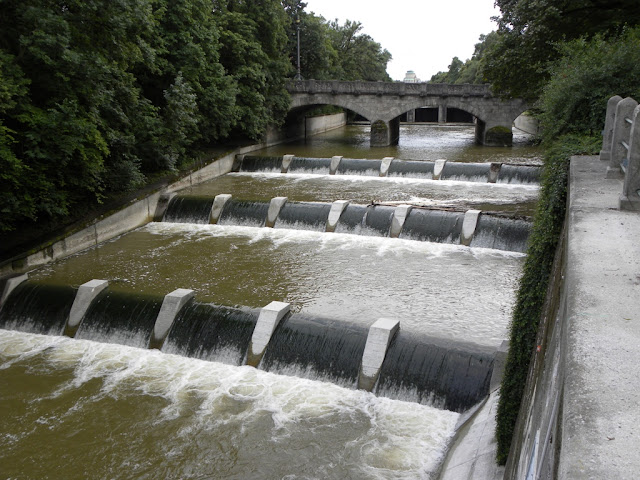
<point>388,88</point>
<point>621,148</point>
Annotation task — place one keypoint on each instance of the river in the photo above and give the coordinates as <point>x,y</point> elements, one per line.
<point>78,408</point>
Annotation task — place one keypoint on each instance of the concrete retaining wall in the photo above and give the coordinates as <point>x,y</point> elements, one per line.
<point>141,211</point>
<point>104,228</point>
<point>316,125</point>
<point>527,124</point>
<point>580,415</point>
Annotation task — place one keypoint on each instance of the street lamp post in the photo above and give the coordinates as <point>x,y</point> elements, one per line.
<point>298,75</point>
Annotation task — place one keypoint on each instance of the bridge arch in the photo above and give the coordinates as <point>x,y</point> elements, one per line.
<point>382,103</point>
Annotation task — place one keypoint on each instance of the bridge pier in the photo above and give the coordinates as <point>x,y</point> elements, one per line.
<point>384,133</point>
<point>442,113</point>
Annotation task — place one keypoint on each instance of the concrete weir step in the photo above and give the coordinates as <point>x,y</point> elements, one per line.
<point>87,293</point>
<point>380,335</point>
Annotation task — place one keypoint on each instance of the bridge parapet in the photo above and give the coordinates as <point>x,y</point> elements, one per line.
<point>389,88</point>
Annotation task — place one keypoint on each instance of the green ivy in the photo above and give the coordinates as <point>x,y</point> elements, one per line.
<point>534,282</point>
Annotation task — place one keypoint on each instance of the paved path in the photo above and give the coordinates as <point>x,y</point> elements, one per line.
<point>601,409</point>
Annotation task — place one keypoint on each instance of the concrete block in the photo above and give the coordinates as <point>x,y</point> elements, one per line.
<point>161,207</point>
<point>333,167</point>
<point>438,168</point>
<point>237,162</point>
<point>269,318</point>
<point>337,208</point>
<point>384,166</point>
<point>274,209</point>
<point>469,226</point>
<point>494,172</point>
<point>286,161</point>
<point>86,294</point>
<point>498,365</point>
<point>133,216</point>
<point>171,305</point>
<point>380,335</point>
<point>10,285</point>
<point>399,216</point>
<point>218,205</point>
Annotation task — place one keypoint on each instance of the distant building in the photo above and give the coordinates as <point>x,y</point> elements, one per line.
<point>411,77</point>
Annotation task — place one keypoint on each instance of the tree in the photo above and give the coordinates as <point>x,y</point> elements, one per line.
<point>471,71</point>
<point>529,32</point>
<point>586,75</point>
<point>359,56</point>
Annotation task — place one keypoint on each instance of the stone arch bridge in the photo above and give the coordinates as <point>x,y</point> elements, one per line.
<point>382,103</point>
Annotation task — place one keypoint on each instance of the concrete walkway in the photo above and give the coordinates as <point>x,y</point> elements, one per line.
<point>601,406</point>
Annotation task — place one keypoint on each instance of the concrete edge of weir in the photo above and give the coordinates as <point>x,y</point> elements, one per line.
<point>127,218</point>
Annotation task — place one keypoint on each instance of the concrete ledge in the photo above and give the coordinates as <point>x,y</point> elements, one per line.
<point>337,208</point>
<point>469,225</point>
<point>10,285</point>
<point>286,162</point>
<point>333,166</point>
<point>171,305</point>
<point>218,205</point>
<point>274,210</point>
<point>438,167</point>
<point>132,216</point>
<point>380,335</point>
<point>161,206</point>
<point>399,216</point>
<point>384,166</point>
<point>472,455</point>
<point>85,296</point>
<point>268,320</point>
<point>494,172</point>
<point>580,417</point>
<point>498,365</point>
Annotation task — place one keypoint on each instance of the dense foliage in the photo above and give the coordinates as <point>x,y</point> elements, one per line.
<point>98,96</point>
<point>531,31</point>
<point>588,73</point>
<point>331,51</point>
<point>470,71</point>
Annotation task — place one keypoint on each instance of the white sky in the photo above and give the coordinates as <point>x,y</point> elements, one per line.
<point>422,35</point>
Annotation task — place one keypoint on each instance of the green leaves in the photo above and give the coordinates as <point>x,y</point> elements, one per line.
<point>586,75</point>
<point>97,95</point>
<point>530,32</point>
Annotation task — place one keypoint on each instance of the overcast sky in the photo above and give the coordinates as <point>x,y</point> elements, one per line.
<point>422,35</point>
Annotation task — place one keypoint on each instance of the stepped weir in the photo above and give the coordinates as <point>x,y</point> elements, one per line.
<point>278,302</point>
<point>472,228</point>
<point>451,375</point>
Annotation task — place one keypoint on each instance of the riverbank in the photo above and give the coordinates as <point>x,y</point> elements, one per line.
<point>582,424</point>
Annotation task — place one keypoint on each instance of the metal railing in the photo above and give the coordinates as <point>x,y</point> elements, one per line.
<point>621,148</point>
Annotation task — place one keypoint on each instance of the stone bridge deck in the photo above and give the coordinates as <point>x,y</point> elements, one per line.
<point>382,103</point>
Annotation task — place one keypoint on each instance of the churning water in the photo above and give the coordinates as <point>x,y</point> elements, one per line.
<point>78,408</point>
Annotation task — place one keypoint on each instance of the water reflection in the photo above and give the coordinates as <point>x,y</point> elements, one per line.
<point>417,142</point>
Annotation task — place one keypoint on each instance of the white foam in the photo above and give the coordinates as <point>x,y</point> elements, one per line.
<point>401,180</point>
<point>385,439</point>
<point>321,240</point>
